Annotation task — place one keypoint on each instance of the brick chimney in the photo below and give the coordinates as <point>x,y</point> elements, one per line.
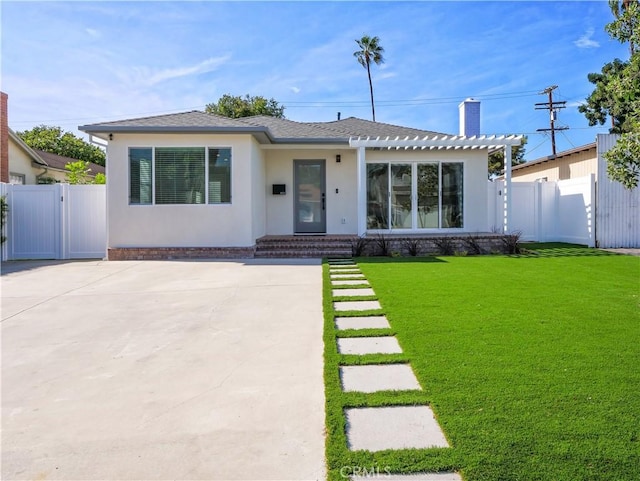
<point>4,138</point>
<point>470,117</point>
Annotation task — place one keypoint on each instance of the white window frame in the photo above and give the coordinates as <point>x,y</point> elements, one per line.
<point>206,174</point>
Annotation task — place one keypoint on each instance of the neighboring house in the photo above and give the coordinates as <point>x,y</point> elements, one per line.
<point>569,164</point>
<point>196,180</point>
<point>20,164</point>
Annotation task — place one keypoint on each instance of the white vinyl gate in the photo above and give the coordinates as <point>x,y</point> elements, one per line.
<point>58,221</point>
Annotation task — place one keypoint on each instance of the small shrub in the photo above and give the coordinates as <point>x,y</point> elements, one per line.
<point>384,247</point>
<point>473,243</point>
<point>460,253</point>
<point>512,242</point>
<point>412,246</point>
<point>4,208</point>
<point>445,245</point>
<point>358,246</point>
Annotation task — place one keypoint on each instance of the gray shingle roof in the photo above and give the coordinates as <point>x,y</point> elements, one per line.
<point>58,162</point>
<point>266,129</point>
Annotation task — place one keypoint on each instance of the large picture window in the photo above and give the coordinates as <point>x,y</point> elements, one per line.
<point>179,175</point>
<point>436,187</point>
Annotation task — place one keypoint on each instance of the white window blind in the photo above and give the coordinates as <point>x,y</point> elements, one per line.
<point>180,175</point>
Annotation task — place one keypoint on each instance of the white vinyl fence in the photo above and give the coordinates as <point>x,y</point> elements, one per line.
<point>58,221</point>
<point>560,211</point>
<point>618,209</point>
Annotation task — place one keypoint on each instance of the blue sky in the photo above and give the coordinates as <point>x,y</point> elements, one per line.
<point>74,63</point>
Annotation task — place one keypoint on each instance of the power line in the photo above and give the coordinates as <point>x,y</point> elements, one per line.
<point>293,104</point>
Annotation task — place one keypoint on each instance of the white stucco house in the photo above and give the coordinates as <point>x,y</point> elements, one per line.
<point>199,184</point>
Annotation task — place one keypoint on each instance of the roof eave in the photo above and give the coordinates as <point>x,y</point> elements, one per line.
<point>262,134</point>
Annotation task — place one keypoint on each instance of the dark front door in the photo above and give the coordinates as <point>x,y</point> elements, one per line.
<point>309,206</point>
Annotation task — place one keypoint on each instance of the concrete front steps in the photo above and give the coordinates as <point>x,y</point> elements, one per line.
<point>310,246</point>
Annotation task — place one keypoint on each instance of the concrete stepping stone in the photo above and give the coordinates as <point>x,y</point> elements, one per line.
<point>396,427</point>
<point>369,345</point>
<point>356,305</point>
<point>362,322</point>
<point>341,263</point>
<point>342,276</point>
<point>366,291</point>
<point>378,377</point>
<point>344,271</point>
<point>382,475</point>
<point>354,282</point>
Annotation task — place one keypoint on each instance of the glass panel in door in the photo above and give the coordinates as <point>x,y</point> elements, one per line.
<point>377,196</point>
<point>401,196</point>
<point>452,175</point>
<point>309,196</point>
<point>428,188</point>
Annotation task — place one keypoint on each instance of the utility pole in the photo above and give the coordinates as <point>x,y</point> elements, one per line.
<point>553,108</point>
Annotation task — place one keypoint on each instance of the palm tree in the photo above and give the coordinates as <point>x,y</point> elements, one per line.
<point>370,51</point>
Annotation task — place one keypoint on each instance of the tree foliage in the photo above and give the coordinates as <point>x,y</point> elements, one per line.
<point>604,102</point>
<point>617,95</point>
<point>623,160</point>
<point>626,26</point>
<point>56,141</point>
<point>236,106</point>
<point>80,173</point>
<point>370,51</point>
<point>496,159</point>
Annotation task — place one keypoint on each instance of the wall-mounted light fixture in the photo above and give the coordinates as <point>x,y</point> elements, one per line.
<point>338,158</point>
<point>110,136</point>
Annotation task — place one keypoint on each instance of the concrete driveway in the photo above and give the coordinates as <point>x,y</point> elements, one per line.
<point>162,370</point>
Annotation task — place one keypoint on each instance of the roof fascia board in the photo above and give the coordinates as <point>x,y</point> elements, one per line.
<point>28,150</point>
<point>262,134</point>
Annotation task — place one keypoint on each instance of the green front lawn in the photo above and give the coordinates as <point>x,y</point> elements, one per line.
<point>531,363</point>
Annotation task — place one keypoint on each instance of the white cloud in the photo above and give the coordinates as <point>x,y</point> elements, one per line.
<point>93,32</point>
<point>295,90</point>
<point>585,41</point>
<point>148,77</point>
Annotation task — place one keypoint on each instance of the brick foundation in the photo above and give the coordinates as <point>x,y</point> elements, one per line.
<point>168,253</point>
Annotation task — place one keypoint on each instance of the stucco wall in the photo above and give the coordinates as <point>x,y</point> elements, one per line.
<point>228,225</point>
<point>475,179</point>
<point>20,163</point>
<point>341,176</point>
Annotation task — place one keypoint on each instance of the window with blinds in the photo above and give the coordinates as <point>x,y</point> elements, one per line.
<point>179,175</point>
<point>140,164</point>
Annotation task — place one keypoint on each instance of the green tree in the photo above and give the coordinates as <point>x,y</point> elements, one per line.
<point>236,106</point>
<point>626,26</point>
<point>370,51</point>
<point>78,172</point>
<point>603,101</point>
<point>496,159</point>
<point>56,141</point>
<point>617,95</point>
